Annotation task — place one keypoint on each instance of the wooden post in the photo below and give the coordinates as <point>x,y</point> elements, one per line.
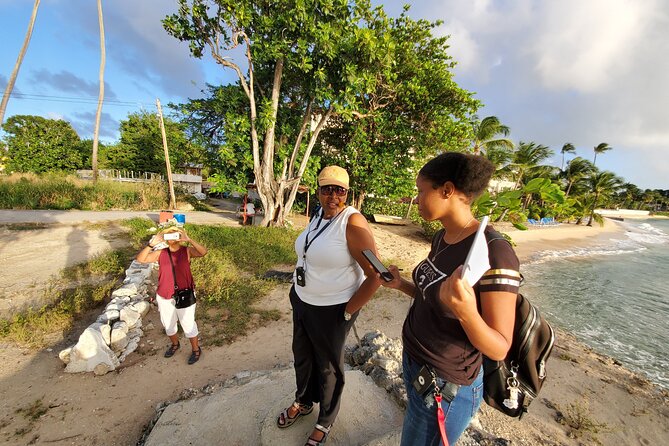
<point>173,201</point>
<point>409,210</point>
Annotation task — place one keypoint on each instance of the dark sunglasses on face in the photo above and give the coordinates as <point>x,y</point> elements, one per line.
<point>338,190</point>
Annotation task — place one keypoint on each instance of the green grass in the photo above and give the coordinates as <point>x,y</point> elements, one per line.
<point>228,280</point>
<point>62,191</point>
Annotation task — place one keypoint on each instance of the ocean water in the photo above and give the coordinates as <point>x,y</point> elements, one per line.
<point>614,296</point>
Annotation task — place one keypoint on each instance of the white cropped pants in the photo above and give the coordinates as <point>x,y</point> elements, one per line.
<point>169,314</point>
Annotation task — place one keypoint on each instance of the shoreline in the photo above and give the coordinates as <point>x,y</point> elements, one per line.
<point>561,237</point>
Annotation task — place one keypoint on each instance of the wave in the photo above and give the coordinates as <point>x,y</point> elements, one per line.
<point>638,238</point>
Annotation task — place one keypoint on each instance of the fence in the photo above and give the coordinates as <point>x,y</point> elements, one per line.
<point>122,175</point>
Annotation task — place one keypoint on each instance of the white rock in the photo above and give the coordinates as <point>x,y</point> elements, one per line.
<point>142,307</point>
<point>90,352</point>
<point>113,306</point>
<point>64,355</point>
<point>120,325</point>
<point>128,289</point>
<point>112,315</point>
<point>105,330</point>
<point>119,340</point>
<point>132,346</point>
<point>130,316</point>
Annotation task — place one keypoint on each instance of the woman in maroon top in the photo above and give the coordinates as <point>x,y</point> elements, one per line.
<point>162,251</point>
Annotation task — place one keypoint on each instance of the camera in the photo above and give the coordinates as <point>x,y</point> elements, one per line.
<point>300,278</point>
<point>171,236</point>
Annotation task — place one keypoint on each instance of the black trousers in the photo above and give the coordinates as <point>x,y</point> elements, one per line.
<point>319,336</point>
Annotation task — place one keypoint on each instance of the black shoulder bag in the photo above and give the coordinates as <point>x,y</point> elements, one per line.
<point>182,298</point>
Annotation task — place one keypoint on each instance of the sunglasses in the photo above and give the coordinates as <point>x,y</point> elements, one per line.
<point>338,190</point>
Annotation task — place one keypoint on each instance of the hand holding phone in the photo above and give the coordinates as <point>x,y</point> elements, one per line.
<point>377,265</point>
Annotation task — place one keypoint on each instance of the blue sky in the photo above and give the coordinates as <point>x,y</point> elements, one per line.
<point>574,71</point>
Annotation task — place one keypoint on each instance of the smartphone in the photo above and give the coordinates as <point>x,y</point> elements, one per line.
<point>378,266</point>
<point>171,236</point>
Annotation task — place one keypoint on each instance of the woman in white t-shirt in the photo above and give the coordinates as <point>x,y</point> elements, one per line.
<point>332,281</point>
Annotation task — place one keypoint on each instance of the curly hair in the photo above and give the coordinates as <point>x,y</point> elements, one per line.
<point>469,174</point>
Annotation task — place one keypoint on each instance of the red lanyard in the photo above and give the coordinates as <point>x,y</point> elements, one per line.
<point>441,419</point>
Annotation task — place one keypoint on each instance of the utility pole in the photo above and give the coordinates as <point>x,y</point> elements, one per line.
<point>173,201</point>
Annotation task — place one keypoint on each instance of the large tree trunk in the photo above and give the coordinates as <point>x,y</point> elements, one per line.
<point>19,61</point>
<point>101,95</point>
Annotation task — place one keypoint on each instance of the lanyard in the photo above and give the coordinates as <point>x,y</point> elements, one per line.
<point>308,243</point>
<point>441,419</point>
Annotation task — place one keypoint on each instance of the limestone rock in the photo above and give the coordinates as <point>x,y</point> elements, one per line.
<point>130,316</point>
<point>128,289</point>
<point>90,351</point>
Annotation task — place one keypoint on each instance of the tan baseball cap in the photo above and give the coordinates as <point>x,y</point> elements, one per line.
<point>333,175</point>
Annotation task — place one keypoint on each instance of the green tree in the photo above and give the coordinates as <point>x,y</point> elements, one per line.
<point>415,111</point>
<point>306,58</point>
<point>567,148</point>
<point>37,144</point>
<point>600,148</point>
<point>487,135</point>
<point>140,147</point>
<point>220,123</point>
<point>603,185</point>
<point>526,157</point>
<point>578,170</point>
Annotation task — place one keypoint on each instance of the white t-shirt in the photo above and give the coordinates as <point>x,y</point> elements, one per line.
<point>332,275</point>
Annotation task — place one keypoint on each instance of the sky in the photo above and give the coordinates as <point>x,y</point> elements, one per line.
<point>577,71</point>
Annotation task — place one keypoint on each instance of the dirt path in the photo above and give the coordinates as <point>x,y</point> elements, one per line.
<point>41,404</point>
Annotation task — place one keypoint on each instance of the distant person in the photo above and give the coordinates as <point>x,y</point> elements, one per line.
<point>173,255</point>
<point>248,211</point>
<point>444,333</point>
<point>332,281</point>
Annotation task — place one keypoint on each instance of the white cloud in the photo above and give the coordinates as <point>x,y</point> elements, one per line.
<point>586,45</point>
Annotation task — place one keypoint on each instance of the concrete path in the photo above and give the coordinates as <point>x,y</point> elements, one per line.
<point>245,414</point>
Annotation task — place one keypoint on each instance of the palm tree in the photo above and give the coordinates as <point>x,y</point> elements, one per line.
<point>19,60</point>
<point>567,148</point>
<point>603,184</point>
<point>600,148</point>
<point>527,156</point>
<point>101,95</point>
<point>486,135</point>
<point>577,170</point>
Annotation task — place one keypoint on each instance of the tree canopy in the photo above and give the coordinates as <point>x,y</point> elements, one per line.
<point>140,147</point>
<point>37,144</point>
<point>307,61</point>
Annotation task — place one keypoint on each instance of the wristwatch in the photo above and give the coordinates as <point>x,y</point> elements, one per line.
<point>347,316</point>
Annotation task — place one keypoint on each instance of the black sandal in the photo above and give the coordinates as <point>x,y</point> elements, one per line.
<point>284,419</point>
<point>172,350</point>
<point>195,356</point>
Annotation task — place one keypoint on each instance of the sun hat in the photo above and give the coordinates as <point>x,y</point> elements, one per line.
<point>333,175</point>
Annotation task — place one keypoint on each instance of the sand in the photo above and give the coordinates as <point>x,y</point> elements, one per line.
<point>604,403</point>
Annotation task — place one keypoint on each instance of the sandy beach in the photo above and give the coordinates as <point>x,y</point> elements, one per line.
<point>587,399</point>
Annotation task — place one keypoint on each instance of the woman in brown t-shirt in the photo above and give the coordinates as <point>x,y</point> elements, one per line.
<point>450,324</point>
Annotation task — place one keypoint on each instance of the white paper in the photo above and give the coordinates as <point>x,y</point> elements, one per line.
<point>477,260</point>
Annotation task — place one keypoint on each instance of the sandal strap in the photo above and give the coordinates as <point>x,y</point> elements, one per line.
<point>325,430</point>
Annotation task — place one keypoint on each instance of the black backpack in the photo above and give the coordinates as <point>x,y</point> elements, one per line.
<point>523,371</point>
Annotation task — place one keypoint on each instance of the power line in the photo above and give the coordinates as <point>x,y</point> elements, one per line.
<point>78,100</point>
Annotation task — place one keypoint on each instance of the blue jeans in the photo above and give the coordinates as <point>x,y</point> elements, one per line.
<point>420,426</point>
